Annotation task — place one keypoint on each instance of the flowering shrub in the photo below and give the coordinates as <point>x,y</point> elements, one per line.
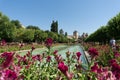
<point>52,66</point>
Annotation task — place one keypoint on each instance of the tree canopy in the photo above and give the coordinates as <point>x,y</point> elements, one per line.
<point>105,33</point>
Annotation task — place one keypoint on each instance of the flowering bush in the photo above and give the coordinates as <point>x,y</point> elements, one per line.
<point>52,66</point>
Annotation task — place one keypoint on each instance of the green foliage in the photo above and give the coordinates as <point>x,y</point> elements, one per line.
<point>53,35</point>
<point>62,39</point>
<point>33,27</point>
<point>105,33</point>
<point>7,31</point>
<point>19,33</point>
<point>66,34</point>
<point>61,31</point>
<point>28,35</point>
<point>16,23</point>
<point>13,31</point>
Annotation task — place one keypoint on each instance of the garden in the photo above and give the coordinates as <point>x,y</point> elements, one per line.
<point>61,63</point>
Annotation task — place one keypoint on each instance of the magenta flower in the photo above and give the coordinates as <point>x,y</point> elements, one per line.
<point>62,67</point>
<point>115,67</point>
<point>116,54</point>
<point>106,75</point>
<point>7,56</point>
<point>37,57</point>
<point>58,58</point>
<point>16,69</point>
<point>9,75</point>
<point>48,58</point>
<point>78,55</point>
<point>112,62</point>
<point>48,42</point>
<point>95,68</point>
<point>68,54</point>
<point>93,52</point>
<point>21,45</point>
<point>55,52</point>
<point>28,54</point>
<point>3,42</point>
<point>33,47</point>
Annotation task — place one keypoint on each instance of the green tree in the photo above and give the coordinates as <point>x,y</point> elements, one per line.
<point>66,34</point>
<point>61,31</point>
<point>7,29</point>
<point>54,27</point>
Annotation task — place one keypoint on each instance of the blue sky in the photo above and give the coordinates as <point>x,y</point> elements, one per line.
<point>81,15</point>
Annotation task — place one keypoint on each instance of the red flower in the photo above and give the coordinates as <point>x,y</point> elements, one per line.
<point>62,67</point>
<point>78,55</point>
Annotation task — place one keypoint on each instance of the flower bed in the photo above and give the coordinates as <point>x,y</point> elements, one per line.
<point>52,66</point>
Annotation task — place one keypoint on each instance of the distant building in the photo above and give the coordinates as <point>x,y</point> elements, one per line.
<point>75,34</point>
<point>70,37</point>
<point>84,35</point>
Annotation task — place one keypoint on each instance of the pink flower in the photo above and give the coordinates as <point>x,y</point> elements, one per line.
<point>78,55</point>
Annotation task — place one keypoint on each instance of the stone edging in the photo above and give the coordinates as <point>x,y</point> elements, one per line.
<point>87,56</point>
